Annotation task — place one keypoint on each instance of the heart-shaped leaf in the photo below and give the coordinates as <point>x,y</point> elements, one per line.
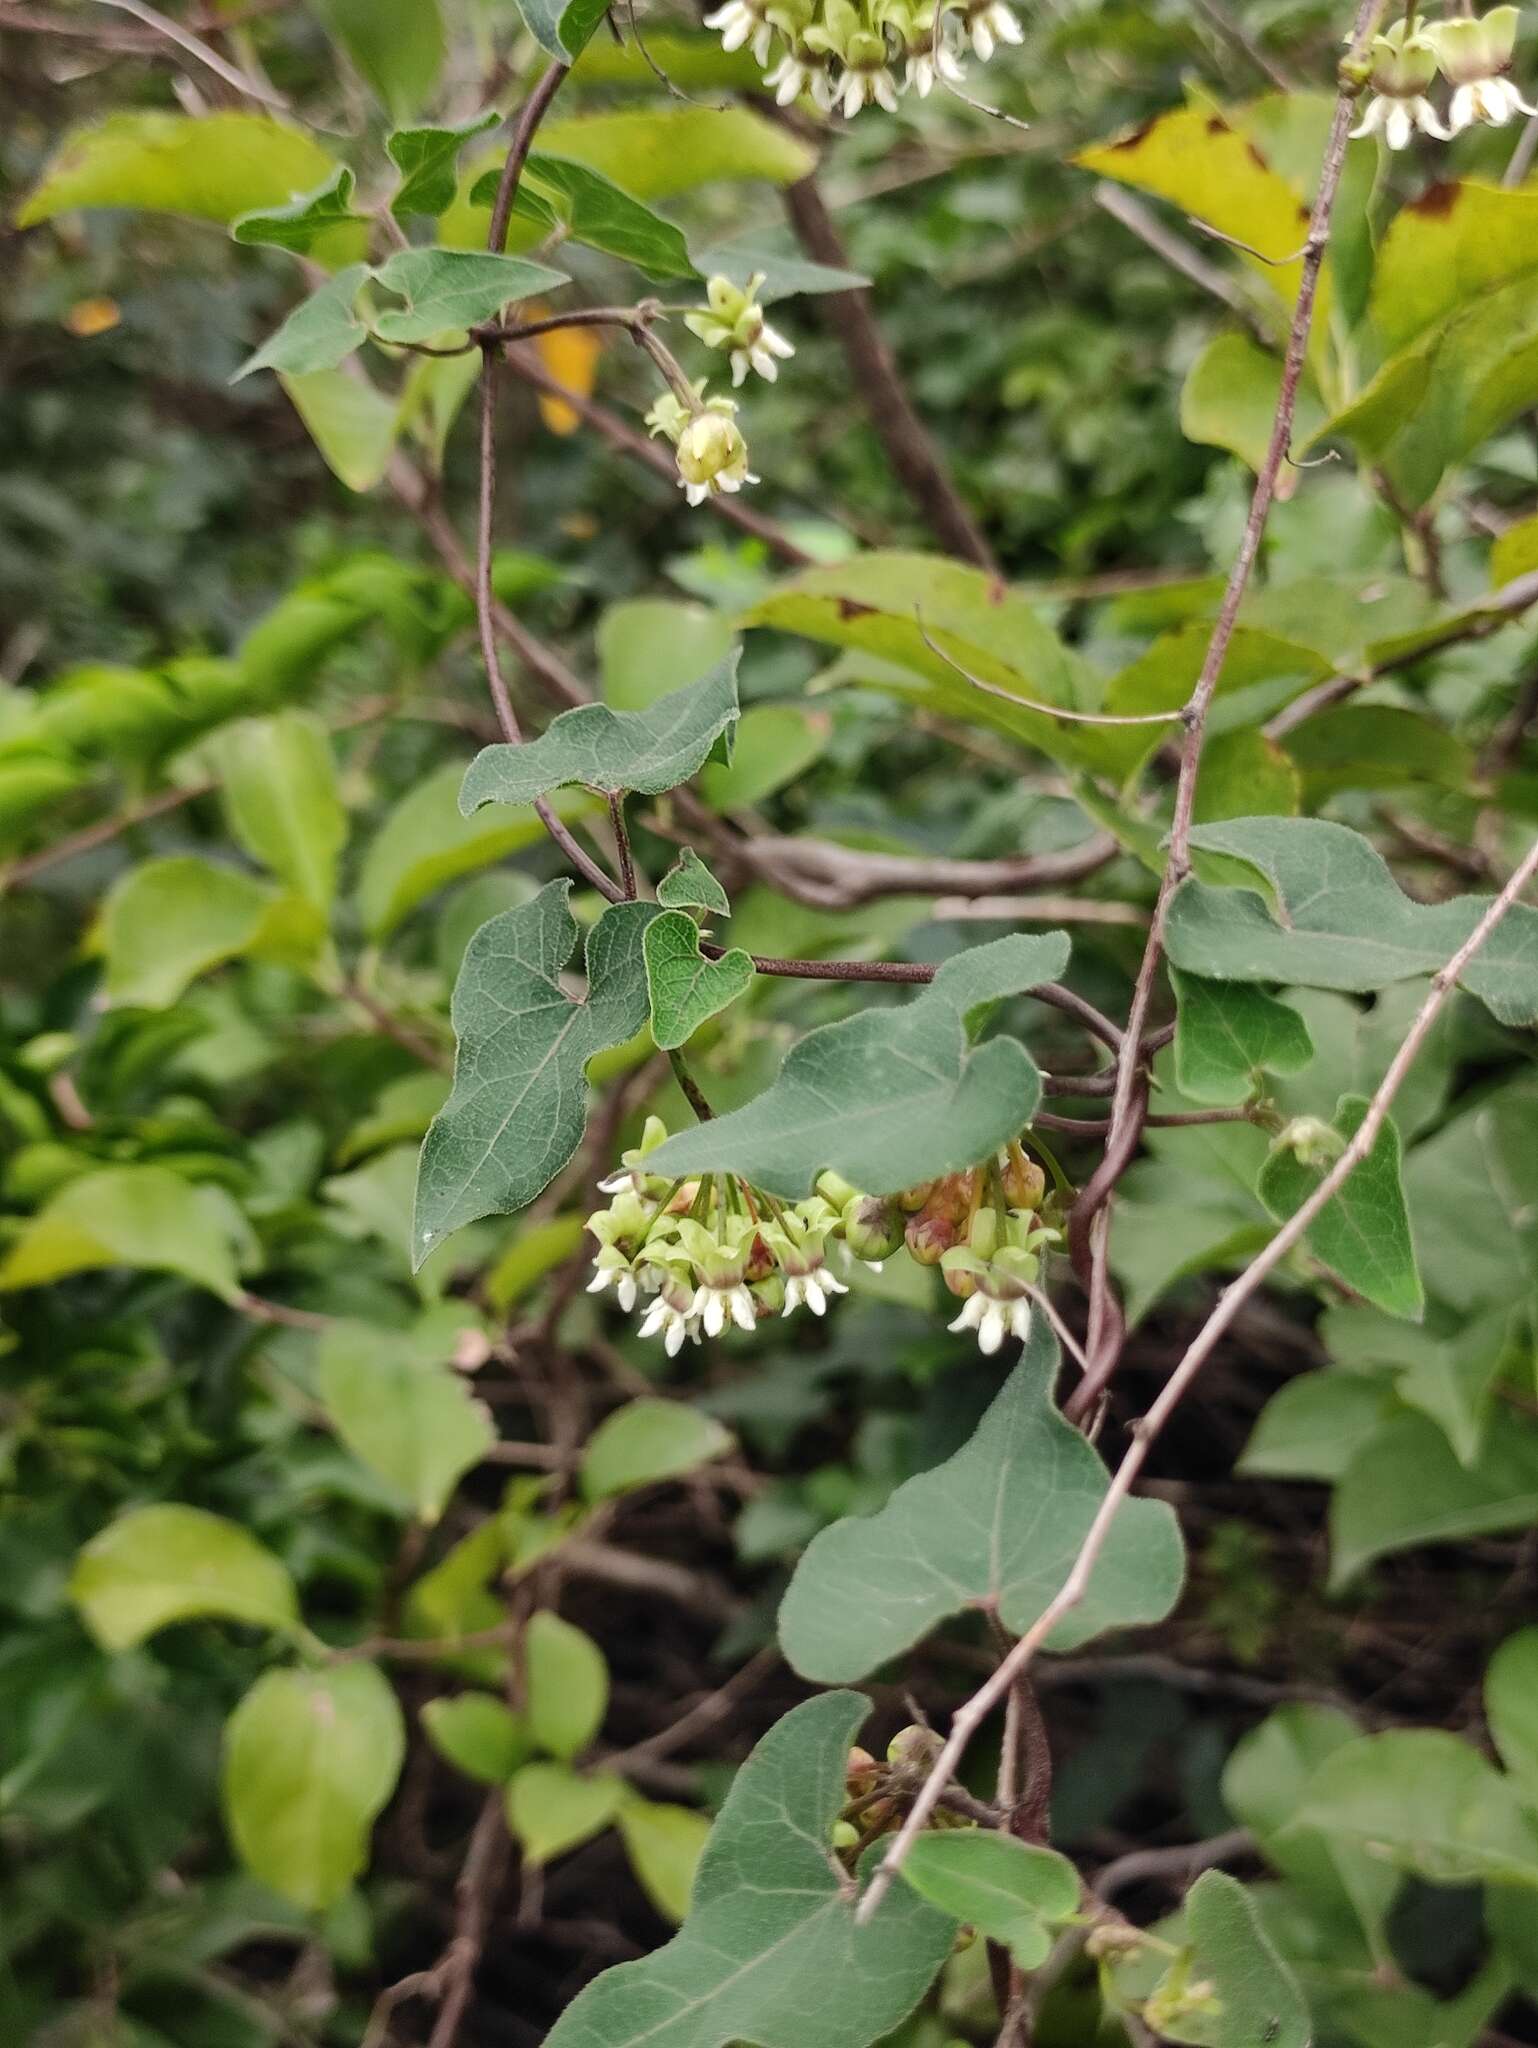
<point>302,223</point>
<point>1343,921</point>
<point>689,885</point>
<point>685,988</point>
<point>650,751</point>
<point>555,191</point>
<point>519,1101</point>
<point>1227,1033</point>
<point>453,288</point>
<point>890,1097</point>
<point>425,158</point>
<point>770,1952</point>
<point>320,332</point>
<point>1363,1231</point>
<point>996,1526</point>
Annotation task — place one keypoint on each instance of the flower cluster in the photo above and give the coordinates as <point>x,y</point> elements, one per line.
<point>1474,55</point>
<point>700,1256</point>
<point>846,53</point>
<point>712,456</point>
<point>733,320</point>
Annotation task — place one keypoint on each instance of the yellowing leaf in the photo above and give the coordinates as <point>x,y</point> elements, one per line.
<point>571,354</point>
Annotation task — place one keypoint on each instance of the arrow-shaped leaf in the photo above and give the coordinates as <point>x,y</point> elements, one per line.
<point>998,1526</point>
<point>425,159</point>
<point>453,288</point>
<point>1342,920</point>
<point>301,224</point>
<point>685,988</point>
<point>519,1101</point>
<point>651,750</point>
<point>689,885</point>
<point>1363,1231</point>
<point>556,191</point>
<point>320,332</point>
<point>770,1952</point>
<point>890,1097</point>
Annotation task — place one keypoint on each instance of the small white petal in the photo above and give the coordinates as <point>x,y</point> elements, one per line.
<point>982,39</point>
<point>741,1305</point>
<point>1398,126</point>
<point>817,1301</point>
<point>598,1283</point>
<point>991,1330</point>
<point>736,32</point>
<point>882,88</point>
<point>626,1290</point>
<point>1004,25</point>
<point>854,95</point>
<point>763,42</point>
<point>673,1342</point>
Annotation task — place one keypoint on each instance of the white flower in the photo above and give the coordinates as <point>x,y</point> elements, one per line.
<point>873,83</point>
<point>990,24</point>
<point>791,77</point>
<point>714,1305</point>
<point>930,63</point>
<point>739,23</point>
<point>993,1320</point>
<point>811,1290</point>
<point>1399,119</point>
<point>712,455</point>
<point>624,1282</point>
<point>760,354</point>
<point>825,91</point>
<point>1476,56</point>
<point>671,1317</point>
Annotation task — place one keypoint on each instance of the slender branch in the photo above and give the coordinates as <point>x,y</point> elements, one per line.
<point>194,46</point>
<point>689,1088</point>
<point>1145,1433</point>
<point>902,433</point>
<point>833,877</point>
<point>1140,221</point>
<point>1106,1322</point>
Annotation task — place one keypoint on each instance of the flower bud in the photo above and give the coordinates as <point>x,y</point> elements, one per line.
<point>914,1747</point>
<point>860,1772</point>
<point>914,1198</point>
<point>845,1835</point>
<point>1024,1181</point>
<point>873,1226</point>
<point>709,445</point>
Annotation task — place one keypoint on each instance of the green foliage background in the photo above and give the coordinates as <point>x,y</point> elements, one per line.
<point>256,1472</point>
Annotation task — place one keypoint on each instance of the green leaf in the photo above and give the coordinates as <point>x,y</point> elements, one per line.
<point>686,989</point>
<point>552,1808</point>
<point>531,1255</point>
<point>1244,774</point>
<point>1260,2005</point>
<point>997,1525</point>
<point>396,1401</point>
<point>568,1685</point>
<point>646,643</point>
<point>167,921</point>
<point>1006,1889</point>
<point>1425,1801</point>
<point>649,751</point>
<point>519,1102</point>
<point>1446,250</point>
<point>885,604</point>
<point>785,273</point>
<point>157,1565</point>
<point>562,26</point>
<point>145,1217</point>
<point>305,221</point>
<point>350,421</point>
<point>280,789</point>
<point>1229,400</point>
<point>664,1844</point>
<point>555,192</point>
<point>424,843</point>
<point>479,1734</point>
<point>1376,746</point>
<point>1347,924</point>
<point>1511,1707</point>
<point>770,1952</point>
<point>1263,1786</point>
<point>1405,1486</point>
<point>310,1758</point>
<point>425,158</point>
<point>213,166</point>
<point>646,1441</point>
<point>1227,1033</point>
<point>1197,158</point>
<point>689,884</point>
<point>397,50</point>
<point>454,288</point>
<point>889,1097</point>
<point>775,744</point>
<point>1363,1231</point>
<point>1311,1427</point>
<point>657,152</point>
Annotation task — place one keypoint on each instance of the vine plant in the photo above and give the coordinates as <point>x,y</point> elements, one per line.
<point>837,1886</point>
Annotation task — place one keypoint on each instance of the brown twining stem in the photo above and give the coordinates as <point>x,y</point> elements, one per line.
<point>1145,1433</point>
<point>907,441</point>
<point>1088,1244</point>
